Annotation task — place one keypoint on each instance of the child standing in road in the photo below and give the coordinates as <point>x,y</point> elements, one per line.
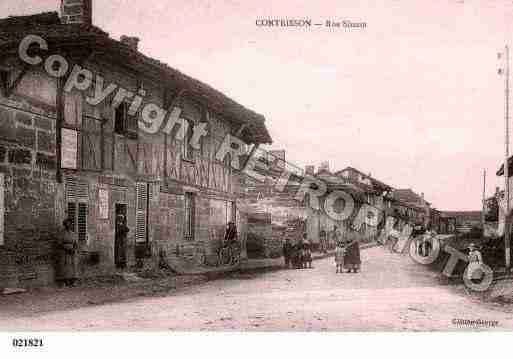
<point>307,253</point>
<point>339,257</point>
<point>475,259</point>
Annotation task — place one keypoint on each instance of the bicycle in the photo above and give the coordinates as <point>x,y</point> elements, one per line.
<point>230,254</point>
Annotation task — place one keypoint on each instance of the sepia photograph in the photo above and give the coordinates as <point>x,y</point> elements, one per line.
<point>275,167</point>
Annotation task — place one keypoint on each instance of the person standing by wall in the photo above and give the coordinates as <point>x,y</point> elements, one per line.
<point>120,241</point>
<point>67,255</point>
<point>307,252</point>
<point>322,240</point>
<point>475,260</point>
<point>339,257</point>
<point>336,236</point>
<point>287,252</point>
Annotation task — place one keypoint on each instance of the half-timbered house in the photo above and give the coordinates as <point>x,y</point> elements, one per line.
<point>64,156</point>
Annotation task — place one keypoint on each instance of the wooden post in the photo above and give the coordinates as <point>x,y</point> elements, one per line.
<point>507,233</point>
<point>484,199</point>
<point>58,128</point>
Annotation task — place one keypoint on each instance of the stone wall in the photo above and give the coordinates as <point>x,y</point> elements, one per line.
<point>27,159</point>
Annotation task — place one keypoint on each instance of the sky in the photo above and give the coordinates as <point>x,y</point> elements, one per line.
<point>414,99</point>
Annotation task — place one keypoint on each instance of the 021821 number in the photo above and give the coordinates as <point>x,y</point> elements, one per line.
<point>34,342</point>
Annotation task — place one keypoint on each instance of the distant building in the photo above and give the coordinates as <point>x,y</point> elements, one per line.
<point>363,188</point>
<point>464,221</point>
<point>412,206</point>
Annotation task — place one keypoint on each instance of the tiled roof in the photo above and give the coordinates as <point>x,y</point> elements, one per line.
<point>48,25</point>
<point>372,179</point>
<point>408,196</point>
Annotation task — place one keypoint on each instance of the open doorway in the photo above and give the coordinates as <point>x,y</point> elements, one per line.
<point>120,240</point>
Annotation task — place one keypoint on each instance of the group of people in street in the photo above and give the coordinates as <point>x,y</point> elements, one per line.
<point>297,253</point>
<point>347,253</point>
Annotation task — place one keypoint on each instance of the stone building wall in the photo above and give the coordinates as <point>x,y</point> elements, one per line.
<point>36,204</point>
<point>27,160</point>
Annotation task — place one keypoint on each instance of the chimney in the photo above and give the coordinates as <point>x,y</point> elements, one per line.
<point>77,12</point>
<point>310,170</point>
<point>131,41</point>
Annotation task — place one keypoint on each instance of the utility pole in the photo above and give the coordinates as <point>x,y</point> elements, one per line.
<point>507,233</point>
<point>484,199</point>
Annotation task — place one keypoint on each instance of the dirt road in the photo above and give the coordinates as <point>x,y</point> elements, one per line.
<point>391,293</point>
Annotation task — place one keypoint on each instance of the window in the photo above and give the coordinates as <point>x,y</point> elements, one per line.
<point>189,216</point>
<point>124,123</point>
<point>2,207</point>
<point>120,119</point>
<point>205,140</point>
<point>86,144</point>
<point>77,198</point>
<point>187,149</point>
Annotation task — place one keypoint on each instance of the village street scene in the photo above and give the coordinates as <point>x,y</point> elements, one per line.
<point>154,178</point>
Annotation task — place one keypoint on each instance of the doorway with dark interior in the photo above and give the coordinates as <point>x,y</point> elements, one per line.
<point>120,241</point>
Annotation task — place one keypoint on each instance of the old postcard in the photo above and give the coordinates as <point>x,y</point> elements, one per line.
<point>254,166</point>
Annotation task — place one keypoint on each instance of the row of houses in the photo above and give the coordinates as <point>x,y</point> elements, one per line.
<point>61,157</point>
<point>282,211</point>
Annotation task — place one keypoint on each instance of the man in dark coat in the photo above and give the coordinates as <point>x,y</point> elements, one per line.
<point>287,252</point>
<point>120,242</point>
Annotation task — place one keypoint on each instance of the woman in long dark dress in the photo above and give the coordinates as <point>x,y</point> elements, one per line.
<point>352,259</point>
<point>67,255</point>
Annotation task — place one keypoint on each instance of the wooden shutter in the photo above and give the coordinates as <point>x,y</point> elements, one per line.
<point>73,109</point>
<point>141,212</point>
<point>189,216</point>
<point>77,198</point>
<point>72,214</point>
<point>91,144</point>
<point>77,190</point>
<point>82,221</point>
